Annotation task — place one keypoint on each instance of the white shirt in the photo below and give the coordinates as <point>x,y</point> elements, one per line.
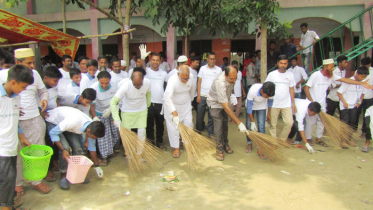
<point>178,93</point>
<point>73,88</point>
<point>68,119</point>
<point>318,84</point>
<point>67,99</point>
<point>299,74</point>
<point>133,99</point>
<point>351,93</point>
<point>29,97</point>
<point>86,82</point>
<point>165,66</point>
<point>9,116</point>
<point>174,64</point>
<point>157,80</point>
<point>369,113</point>
<point>132,64</point>
<point>103,97</point>
<point>307,39</point>
<point>260,103</point>
<point>302,111</point>
<point>116,78</point>
<point>237,85</point>
<point>172,72</point>
<point>52,100</point>
<point>368,93</point>
<point>333,91</point>
<point>208,75</point>
<point>283,82</point>
<point>64,81</point>
<point>195,78</point>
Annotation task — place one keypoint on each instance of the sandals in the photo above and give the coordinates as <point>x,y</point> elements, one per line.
<point>310,141</point>
<point>176,153</point>
<point>321,143</point>
<point>17,201</point>
<point>219,155</point>
<point>20,192</point>
<point>344,145</point>
<point>365,149</point>
<point>50,177</point>
<point>227,149</point>
<point>162,147</point>
<point>42,188</point>
<point>262,156</point>
<point>104,162</point>
<point>249,148</point>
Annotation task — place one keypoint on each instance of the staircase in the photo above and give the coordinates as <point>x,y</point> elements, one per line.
<point>324,47</point>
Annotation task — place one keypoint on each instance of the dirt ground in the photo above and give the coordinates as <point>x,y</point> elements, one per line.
<point>333,179</point>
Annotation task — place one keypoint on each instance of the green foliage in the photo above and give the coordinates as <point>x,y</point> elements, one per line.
<point>12,3</point>
<point>80,4</point>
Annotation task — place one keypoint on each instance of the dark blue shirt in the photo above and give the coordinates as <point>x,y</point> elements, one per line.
<point>288,50</point>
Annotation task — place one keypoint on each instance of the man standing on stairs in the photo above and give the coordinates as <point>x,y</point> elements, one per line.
<point>307,38</point>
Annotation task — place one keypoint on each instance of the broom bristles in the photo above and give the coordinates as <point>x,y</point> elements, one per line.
<point>197,147</point>
<point>337,131</point>
<point>137,152</point>
<point>269,145</point>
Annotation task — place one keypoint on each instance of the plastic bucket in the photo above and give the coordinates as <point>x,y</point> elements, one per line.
<point>78,168</point>
<point>36,161</point>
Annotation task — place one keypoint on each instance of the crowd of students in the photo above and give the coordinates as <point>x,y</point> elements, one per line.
<point>77,110</point>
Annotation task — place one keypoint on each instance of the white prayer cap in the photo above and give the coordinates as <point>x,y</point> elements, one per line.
<point>23,53</point>
<point>182,59</point>
<point>328,61</point>
<point>123,63</point>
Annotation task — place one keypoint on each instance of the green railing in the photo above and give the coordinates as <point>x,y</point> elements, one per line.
<point>325,45</point>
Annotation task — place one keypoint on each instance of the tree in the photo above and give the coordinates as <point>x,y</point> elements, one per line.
<point>263,13</point>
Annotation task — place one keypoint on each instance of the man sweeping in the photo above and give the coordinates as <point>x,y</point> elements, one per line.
<point>218,103</point>
<point>177,105</point>
<point>315,90</point>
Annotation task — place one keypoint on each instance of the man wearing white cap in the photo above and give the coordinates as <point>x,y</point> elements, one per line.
<point>182,60</point>
<point>117,74</point>
<point>177,104</point>
<point>315,90</point>
<point>31,122</point>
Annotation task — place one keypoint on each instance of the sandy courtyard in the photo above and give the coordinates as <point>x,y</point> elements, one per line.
<point>333,179</point>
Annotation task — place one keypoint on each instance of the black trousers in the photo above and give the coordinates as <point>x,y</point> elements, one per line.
<point>350,117</point>
<point>155,118</point>
<point>8,173</point>
<point>363,108</point>
<point>331,106</point>
<point>295,130</point>
<point>195,104</point>
<point>366,129</point>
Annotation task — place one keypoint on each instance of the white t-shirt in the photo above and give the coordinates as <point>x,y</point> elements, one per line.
<point>29,97</point>
<point>195,78</point>
<point>165,66</point>
<point>9,116</point>
<point>103,98</point>
<point>53,94</point>
<point>132,64</point>
<point>172,72</point>
<point>369,113</point>
<point>208,76</point>
<point>133,99</point>
<point>368,93</point>
<point>64,81</point>
<point>116,78</point>
<point>86,82</point>
<point>333,91</point>
<point>68,119</point>
<point>72,87</point>
<point>318,84</point>
<point>299,74</point>
<point>178,93</point>
<point>67,99</point>
<point>157,80</point>
<point>351,93</point>
<point>283,82</point>
<point>260,103</point>
<point>237,85</point>
<point>302,111</point>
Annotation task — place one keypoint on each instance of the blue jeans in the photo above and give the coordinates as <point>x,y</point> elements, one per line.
<point>200,123</point>
<point>306,60</point>
<point>261,118</point>
<point>298,95</point>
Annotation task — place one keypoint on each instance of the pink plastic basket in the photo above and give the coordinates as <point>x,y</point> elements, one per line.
<point>78,168</point>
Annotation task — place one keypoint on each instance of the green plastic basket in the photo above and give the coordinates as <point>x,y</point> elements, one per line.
<point>36,161</point>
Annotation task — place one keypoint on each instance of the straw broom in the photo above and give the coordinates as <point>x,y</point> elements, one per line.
<point>337,131</point>
<point>141,155</point>
<point>197,147</point>
<point>269,145</point>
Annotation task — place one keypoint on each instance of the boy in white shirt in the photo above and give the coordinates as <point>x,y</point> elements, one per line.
<point>368,94</point>
<point>117,74</point>
<point>81,102</point>
<point>18,78</point>
<point>368,119</point>
<point>90,77</point>
<point>332,101</point>
<point>76,77</point>
<point>283,101</point>
<point>351,97</point>
<point>300,76</point>
<point>101,109</point>
<point>69,124</point>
